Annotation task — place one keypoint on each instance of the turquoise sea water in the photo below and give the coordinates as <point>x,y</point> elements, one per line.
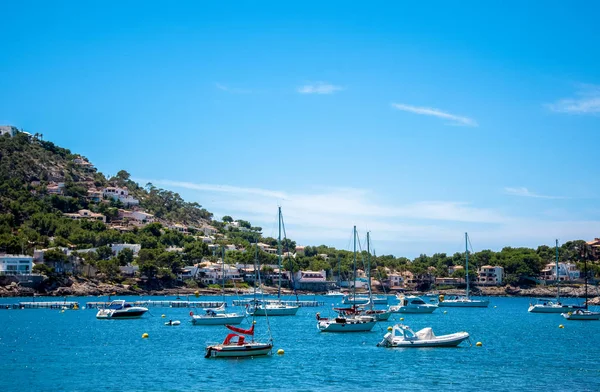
<point>49,350</point>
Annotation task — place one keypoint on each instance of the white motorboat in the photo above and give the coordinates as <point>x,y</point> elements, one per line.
<point>217,317</point>
<point>413,304</point>
<point>358,299</point>
<point>361,310</point>
<point>173,322</point>
<point>119,309</point>
<point>550,306</point>
<point>461,301</point>
<point>334,293</point>
<point>582,315</point>
<point>236,346</point>
<point>346,323</point>
<point>272,309</point>
<point>402,336</point>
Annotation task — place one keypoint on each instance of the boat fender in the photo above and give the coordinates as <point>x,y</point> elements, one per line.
<point>191,313</point>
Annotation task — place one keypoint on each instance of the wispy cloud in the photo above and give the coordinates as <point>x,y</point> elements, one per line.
<point>326,216</point>
<point>587,101</point>
<point>524,192</point>
<point>319,88</point>
<point>456,120</point>
<point>232,90</point>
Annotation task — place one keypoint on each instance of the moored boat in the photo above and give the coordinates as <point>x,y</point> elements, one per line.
<point>119,309</point>
<point>402,336</point>
<point>413,304</point>
<point>354,323</point>
<point>236,346</point>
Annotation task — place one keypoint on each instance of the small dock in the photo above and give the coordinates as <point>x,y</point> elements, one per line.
<point>302,304</point>
<point>160,304</point>
<point>42,305</point>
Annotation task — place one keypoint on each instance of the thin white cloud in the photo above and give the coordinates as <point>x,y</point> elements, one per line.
<point>326,216</point>
<point>319,88</point>
<point>524,192</point>
<point>586,102</point>
<point>232,90</point>
<point>456,120</point>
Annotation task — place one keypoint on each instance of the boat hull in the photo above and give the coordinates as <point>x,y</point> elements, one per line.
<point>441,341</point>
<point>584,316</point>
<point>366,326</point>
<point>414,309</point>
<point>238,351</point>
<point>474,303</point>
<point>131,313</point>
<point>218,319</point>
<point>279,311</point>
<point>551,309</point>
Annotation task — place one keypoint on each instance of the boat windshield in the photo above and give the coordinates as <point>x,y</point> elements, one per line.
<point>418,301</point>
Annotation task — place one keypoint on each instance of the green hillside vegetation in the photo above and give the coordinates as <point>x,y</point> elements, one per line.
<point>31,218</point>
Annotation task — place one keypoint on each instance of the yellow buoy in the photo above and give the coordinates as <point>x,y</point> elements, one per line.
<point>62,311</point>
<point>197,293</point>
<point>390,328</point>
<point>479,344</point>
<point>401,318</point>
<point>280,351</point>
<point>445,311</point>
<point>144,335</point>
<point>163,316</point>
<point>254,322</point>
<point>561,326</point>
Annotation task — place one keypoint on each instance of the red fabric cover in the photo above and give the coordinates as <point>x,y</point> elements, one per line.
<point>240,330</point>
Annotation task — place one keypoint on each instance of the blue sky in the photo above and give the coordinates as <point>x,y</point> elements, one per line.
<point>417,122</point>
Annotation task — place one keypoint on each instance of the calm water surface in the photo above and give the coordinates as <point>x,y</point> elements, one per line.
<point>49,350</point>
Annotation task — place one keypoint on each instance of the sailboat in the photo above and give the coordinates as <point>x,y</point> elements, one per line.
<point>585,314</point>
<point>344,322</point>
<point>549,306</point>
<point>275,308</point>
<point>235,344</point>
<point>465,301</point>
<point>218,316</point>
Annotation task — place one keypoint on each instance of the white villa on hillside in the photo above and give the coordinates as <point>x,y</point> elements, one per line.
<point>566,271</point>
<point>8,130</point>
<point>86,214</point>
<point>121,194</point>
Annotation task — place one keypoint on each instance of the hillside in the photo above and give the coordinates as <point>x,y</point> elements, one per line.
<point>52,198</point>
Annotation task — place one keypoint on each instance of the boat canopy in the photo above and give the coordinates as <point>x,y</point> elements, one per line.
<point>242,331</point>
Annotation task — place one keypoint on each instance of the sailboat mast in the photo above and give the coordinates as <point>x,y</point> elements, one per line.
<point>586,276</point>
<point>369,269</point>
<point>223,270</point>
<point>557,275</point>
<point>279,255</point>
<point>354,269</point>
<point>467,261</point>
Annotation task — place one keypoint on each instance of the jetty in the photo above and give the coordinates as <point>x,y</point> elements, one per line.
<point>302,304</point>
<point>42,305</point>
<point>161,304</point>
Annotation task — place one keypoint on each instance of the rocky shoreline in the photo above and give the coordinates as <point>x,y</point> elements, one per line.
<point>81,287</point>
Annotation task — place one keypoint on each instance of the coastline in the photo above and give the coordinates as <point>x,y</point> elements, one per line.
<point>77,287</point>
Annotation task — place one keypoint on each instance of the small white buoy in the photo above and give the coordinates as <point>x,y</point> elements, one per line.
<point>445,311</point>
<point>495,306</point>
<point>280,351</point>
<point>144,335</point>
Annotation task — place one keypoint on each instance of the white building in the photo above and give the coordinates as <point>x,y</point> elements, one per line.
<point>490,276</point>
<point>179,228</point>
<point>55,188</point>
<point>396,280</point>
<point>8,130</point>
<point>138,216</point>
<point>566,271</point>
<point>312,280</point>
<point>121,194</point>
<point>15,264</point>
<point>86,214</point>
<point>266,248</point>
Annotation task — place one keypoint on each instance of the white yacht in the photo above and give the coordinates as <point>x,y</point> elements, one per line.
<point>413,304</point>
<point>402,336</point>
<point>119,309</point>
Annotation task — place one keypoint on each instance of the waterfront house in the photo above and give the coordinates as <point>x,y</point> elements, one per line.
<point>449,281</point>
<point>86,214</point>
<point>136,216</point>
<point>488,275</point>
<point>566,271</point>
<point>312,280</point>
<point>15,264</point>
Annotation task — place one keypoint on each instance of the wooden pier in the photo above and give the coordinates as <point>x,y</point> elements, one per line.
<point>302,304</point>
<point>161,304</point>
<point>42,305</point>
